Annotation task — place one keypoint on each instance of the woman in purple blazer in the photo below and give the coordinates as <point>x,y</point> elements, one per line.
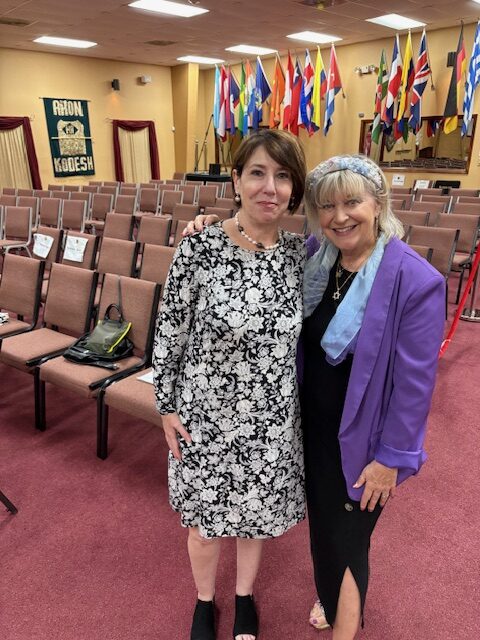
<point>374,318</point>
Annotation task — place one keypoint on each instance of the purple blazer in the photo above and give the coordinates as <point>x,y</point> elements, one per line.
<point>394,366</point>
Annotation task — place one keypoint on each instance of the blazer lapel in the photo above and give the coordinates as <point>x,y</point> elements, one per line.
<point>372,331</point>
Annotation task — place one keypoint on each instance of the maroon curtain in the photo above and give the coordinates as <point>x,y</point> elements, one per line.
<point>13,123</point>
<point>135,125</point>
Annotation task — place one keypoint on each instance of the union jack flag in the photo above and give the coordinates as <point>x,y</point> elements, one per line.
<point>422,71</point>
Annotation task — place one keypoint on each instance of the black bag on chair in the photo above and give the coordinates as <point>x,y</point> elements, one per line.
<point>106,344</point>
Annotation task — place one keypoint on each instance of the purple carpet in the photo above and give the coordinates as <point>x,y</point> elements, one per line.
<point>95,553</point>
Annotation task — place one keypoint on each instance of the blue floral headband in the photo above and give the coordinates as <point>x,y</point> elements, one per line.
<point>358,164</point>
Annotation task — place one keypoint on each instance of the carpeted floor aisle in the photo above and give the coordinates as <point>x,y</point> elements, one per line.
<point>95,553</point>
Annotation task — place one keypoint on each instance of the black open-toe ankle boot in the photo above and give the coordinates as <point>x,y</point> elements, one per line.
<point>203,623</point>
<point>246,617</point>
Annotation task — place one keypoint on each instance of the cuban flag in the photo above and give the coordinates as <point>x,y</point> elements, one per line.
<point>422,71</point>
<point>473,80</point>
<point>394,82</point>
<point>334,85</point>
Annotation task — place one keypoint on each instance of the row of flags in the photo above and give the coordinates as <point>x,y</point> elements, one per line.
<point>295,96</point>
<point>398,96</point>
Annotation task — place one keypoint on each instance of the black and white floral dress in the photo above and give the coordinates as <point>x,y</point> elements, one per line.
<point>224,361</point>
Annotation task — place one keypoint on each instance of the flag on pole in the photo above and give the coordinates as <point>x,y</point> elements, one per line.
<point>433,124</point>
<point>278,94</point>
<point>296,89</point>
<point>319,90</point>
<point>216,98</point>
<point>382,85</point>
<point>261,93</point>
<point>249,102</point>
<point>408,73</point>
<point>451,108</point>
<point>394,81</point>
<point>306,92</point>
<point>473,80</point>
<point>233,100</point>
<point>242,109</point>
<point>287,101</point>
<point>422,71</point>
<point>334,85</point>
<point>222,118</point>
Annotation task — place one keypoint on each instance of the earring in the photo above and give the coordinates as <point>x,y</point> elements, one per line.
<point>237,199</point>
<point>377,227</point>
<point>291,203</point>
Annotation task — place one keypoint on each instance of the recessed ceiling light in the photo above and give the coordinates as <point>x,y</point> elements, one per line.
<point>311,36</point>
<point>65,42</point>
<point>200,60</point>
<point>170,8</point>
<point>250,50</point>
<point>394,21</point>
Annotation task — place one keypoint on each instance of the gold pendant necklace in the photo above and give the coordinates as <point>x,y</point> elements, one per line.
<point>338,272</point>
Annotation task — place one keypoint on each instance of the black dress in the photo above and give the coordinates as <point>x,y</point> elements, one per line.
<point>339,531</point>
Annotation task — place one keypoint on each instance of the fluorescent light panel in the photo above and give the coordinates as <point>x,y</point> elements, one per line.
<point>395,21</point>
<point>170,8</point>
<point>251,50</point>
<point>200,60</point>
<point>312,36</point>
<point>65,42</point>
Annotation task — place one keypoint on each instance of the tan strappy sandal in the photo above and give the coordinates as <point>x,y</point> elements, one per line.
<point>317,617</point>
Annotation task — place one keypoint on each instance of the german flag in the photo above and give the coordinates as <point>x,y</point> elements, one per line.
<point>451,110</point>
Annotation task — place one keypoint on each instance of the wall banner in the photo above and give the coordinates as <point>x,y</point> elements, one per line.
<point>69,133</point>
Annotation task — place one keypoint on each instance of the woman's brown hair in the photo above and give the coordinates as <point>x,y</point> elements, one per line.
<point>282,147</point>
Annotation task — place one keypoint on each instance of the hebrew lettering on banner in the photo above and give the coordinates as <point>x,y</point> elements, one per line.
<point>70,139</point>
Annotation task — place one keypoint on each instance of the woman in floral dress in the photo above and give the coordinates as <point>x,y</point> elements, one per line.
<point>225,377</point>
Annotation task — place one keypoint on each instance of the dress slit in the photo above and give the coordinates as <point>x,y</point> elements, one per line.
<point>339,531</point>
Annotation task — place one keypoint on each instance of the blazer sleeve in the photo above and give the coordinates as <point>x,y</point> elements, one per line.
<point>419,338</point>
<point>173,324</point>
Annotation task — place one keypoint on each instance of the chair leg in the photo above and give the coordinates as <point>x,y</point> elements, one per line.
<point>10,506</point>
<point>102,426</point>
<point>459,288</point>
<point>39,392</point>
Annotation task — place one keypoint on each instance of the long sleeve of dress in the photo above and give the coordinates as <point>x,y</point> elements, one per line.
<point>173,325</point>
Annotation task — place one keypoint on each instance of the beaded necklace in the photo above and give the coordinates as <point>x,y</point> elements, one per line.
<point>259,245</point>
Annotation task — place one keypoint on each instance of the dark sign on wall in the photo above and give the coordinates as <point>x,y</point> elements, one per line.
<point>70,140</point>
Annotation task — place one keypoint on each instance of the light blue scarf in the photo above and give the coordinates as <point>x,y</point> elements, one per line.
<point>340,336</point>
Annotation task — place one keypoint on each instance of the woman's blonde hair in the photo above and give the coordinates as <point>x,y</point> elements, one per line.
<point>347,176</point>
